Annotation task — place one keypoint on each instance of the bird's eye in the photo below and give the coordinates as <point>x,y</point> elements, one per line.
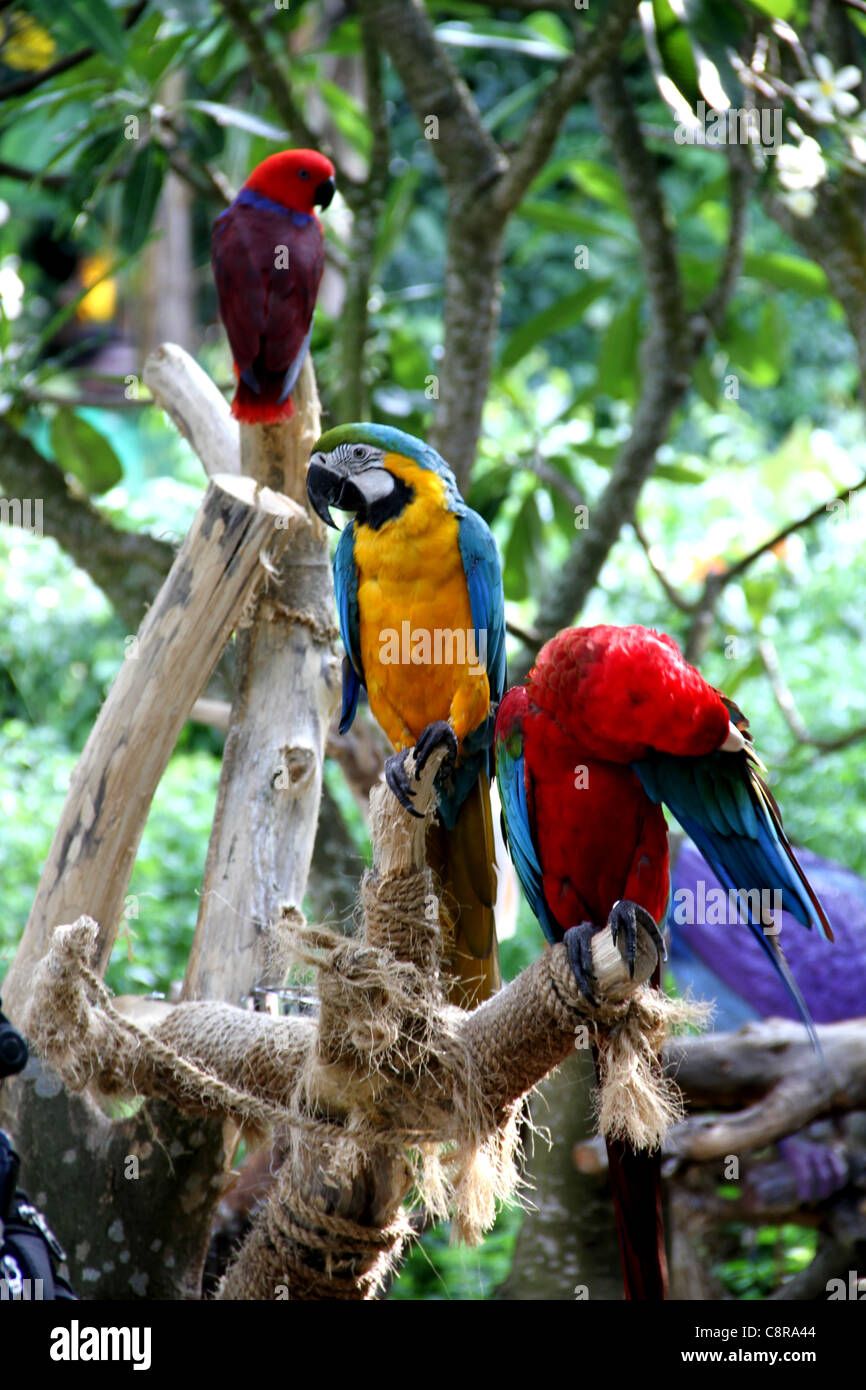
<point>303,173</point>
<point>358,452</point>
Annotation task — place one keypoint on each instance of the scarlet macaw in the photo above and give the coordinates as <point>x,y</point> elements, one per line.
<point>422,618</point>
<point>611,722</point>
<point>267,252</point>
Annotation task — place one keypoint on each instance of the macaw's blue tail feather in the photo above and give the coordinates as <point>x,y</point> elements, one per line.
<point>763,928</point>
<point>722,802</point>
<point>351,691</point>
<point>774,951</point>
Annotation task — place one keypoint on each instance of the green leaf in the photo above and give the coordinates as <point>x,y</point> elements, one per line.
<point>241,120</point>
<point>716,28</point>
<point>674,51</point>
<point>595,180</point>
<point>549,26</point>
<point>94,166</point>
<point>740,672</point>
<point>757,356</point>
<point>85,23</point>
<point>599,182</point>
<point>617,364</point>
<point>58,97</point>
<point>348,116</point>
<point>80,449</point>
<point>488,490</point>
<point>551,321</point>
<point>522,548</point>
<point>495,36</point>
<point>786,272</point>
<point>140,196</point>
<point>678,473</point>
<point>514,101</point>
<point>775,9</point>
<point>705,382</point>
<point>400,203</point>
<point>554,217</point>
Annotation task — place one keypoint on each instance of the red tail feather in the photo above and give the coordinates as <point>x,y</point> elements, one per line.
<point>253,409</point>
<point>636,1184</point>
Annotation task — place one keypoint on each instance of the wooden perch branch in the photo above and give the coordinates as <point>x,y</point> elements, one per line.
<point>775,1064</point>
<point>387,1064</point>
<point>213,578</point>
<point>196,406</point>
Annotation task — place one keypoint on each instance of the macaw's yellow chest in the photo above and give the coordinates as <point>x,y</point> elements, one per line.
<point>418,648</point>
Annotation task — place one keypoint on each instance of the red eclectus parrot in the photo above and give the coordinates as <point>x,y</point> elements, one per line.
<point>267,252</point>
<point>422,618</point>
<point>612,721</point>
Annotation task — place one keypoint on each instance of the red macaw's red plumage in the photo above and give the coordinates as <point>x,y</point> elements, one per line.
<point>612,722</point>
<point>267,253</point>
<point>598,700</point>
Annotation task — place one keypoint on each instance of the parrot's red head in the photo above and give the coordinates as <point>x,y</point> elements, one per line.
<point>296,179</point>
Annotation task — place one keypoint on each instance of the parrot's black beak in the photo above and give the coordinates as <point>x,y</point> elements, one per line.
<point>324,192</point>
<point>326,489</point>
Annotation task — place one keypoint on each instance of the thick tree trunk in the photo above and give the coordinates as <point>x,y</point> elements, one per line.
<point>567,1247</point>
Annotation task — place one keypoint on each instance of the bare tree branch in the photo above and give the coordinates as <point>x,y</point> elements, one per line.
<point>705,606</point>
<point>484,188</point>
<point>569,86</point>
<point>466,152</point>
<point>674,595</point>
<point>741,177</point>
<point>367,205</point>
<point>279,88</point>
<point>788,707</point>
<point>22,175</point>
<point>664,356</point>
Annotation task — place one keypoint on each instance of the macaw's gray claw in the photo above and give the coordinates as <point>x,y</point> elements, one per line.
<point>624,917</point>
<point>395,776</point>
<point>578,944</point>
<point>434,736</point>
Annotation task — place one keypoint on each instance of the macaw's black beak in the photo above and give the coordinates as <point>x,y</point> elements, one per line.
<point>327,489</point>
<point>324,192</point>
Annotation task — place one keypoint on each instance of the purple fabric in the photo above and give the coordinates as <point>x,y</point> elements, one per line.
<point>831,975</point>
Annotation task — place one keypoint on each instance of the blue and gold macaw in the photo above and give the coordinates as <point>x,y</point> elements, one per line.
<point>422,617</point>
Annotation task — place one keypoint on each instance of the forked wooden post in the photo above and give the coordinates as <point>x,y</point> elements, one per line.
<point>217,571</point>
<point>287,690</point>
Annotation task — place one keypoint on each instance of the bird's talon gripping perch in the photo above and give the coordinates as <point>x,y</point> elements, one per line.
<point>434,736</point>
<point>624,917</point>
<point>397,780</point>
<point>578,943</point>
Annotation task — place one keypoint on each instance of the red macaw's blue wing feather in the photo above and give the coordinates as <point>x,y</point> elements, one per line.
<point>349,617</point>
<point>515,795</point>
<point>267,265</point>
<point>721,801</point>
<point>736,970</point>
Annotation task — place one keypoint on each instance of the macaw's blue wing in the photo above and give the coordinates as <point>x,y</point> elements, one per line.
<point>486,601</point>
<point>346,592</point>
<point>722,803</point>
<point>517,817</point>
